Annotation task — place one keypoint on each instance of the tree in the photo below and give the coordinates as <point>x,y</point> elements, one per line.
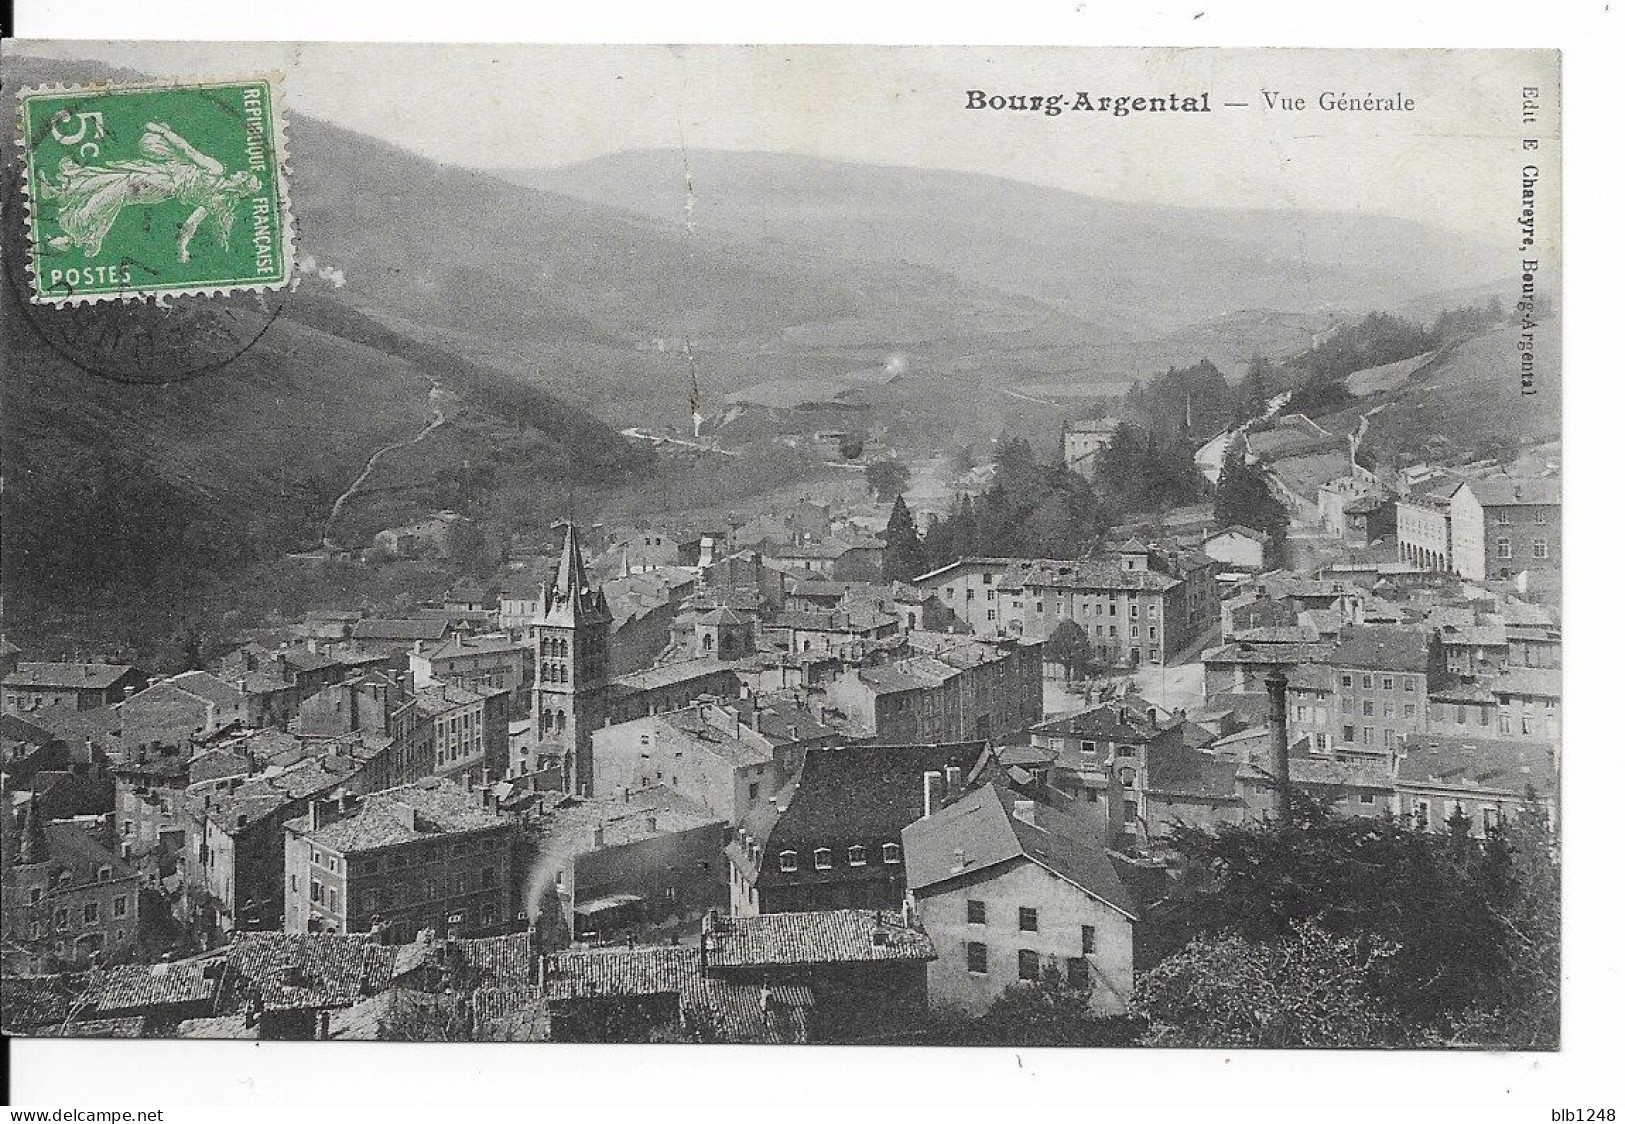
<point>903,558</point>
<point>886,479</point>
<point>1244,499</point>
<point>1307,989</point>
<point>1253,393</point>
<point>1473,923</point>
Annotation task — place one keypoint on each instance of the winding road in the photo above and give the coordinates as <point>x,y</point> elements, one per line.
<point>437,418</point>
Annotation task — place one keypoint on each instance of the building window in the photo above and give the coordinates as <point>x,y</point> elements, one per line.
<point>976,958</point>
<point>991,614</point>
<point>1387,682</point>
<point>121,906</point>
<point>1540,548</point>
<point>891,853</point>
<point>93,913</point>
<point>1027,919</point>
<point>822,860</point>
<point>1368,708</point>
<point>1088,939</point>
<point>1026,964</point>
<point>975,911</point>
<point>1348,733</point>
<point>1348,680</point>
<point>61,919</point>
<point>1077,973</point>
<point>1365,681</point>
<point>787,861</point>
<point>1503,548</point>
<point>1419,810</point>
<point>755,791</point>
<point>856,856</point>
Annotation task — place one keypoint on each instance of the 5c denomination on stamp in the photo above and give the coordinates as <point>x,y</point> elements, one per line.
<point>156,189</point>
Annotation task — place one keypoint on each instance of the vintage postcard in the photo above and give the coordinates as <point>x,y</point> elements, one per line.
<point>780,545</point>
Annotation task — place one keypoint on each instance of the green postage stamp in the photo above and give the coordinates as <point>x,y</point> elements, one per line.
<point>155,189</point>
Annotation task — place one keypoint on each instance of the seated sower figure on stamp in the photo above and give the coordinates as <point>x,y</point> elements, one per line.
<point>91,196</point>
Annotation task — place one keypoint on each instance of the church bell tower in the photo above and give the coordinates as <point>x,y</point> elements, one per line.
<point>571,685</point>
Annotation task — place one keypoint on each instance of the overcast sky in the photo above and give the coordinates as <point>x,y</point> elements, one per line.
<point>1453,162</point>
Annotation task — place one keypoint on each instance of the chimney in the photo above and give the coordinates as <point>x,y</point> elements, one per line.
<point>959,859</point>
<point>933,793</point>
<point>955,779</point>
<point>128,691</point>
<point>310,645</point>
<point>598,836</point>
<point>1275,685</point>
<point>1024,811</point>
<point>314,816</point>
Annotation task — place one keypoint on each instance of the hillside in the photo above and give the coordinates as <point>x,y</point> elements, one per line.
<point>1130,270</point>
<point>1463,403</point>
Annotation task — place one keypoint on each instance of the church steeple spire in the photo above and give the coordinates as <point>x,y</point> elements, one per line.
<point>570,599</point>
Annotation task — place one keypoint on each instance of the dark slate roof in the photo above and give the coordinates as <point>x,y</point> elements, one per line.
<point>328,969</point>
<point>848,795</point>
<point>840,936</point>
<point>985,830</point>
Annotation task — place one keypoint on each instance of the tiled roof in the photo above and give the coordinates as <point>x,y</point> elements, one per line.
<point>1111,721</point>
<point>510,1014</point>
<point>734,1010</point>
<point>1507,491</point>
<point>218,1026</point>
<point>86,676</point>
<point>1544,682</point>
<point>307,970</point>
<point>473,646</point>
<point>1489,765</point>
<point>734,742</point>
<point>373,628</point>
<point>132,1027</point>
<point>984,830</point>
<point>667,675</point>
<point>206,686</point>
<point>433,806</point>
<point>1051,573</point>
<point>135,987</point>
<point>29,1002</point>
<point>504,959</point>
<point>376,1018</point>
<point>1250,653</point>
<point>841,936</point>
<point>1178,770</point>
<point>1382,649</point>
<point>625,819</point>
<point>275,792</point>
